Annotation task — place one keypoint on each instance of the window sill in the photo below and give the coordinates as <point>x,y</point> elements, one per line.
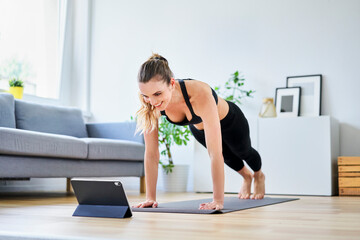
<point>36,99</point>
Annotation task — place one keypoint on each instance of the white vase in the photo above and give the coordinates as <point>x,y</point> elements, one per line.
<point>176,181</point>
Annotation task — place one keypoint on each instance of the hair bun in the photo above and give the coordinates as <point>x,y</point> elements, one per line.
<point>156,56</point>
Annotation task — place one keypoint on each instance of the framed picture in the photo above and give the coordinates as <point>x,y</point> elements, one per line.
<point>310,104</point>
<point>287,101</point>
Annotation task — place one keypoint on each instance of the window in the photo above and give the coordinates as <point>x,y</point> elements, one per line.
<point>29,37</point>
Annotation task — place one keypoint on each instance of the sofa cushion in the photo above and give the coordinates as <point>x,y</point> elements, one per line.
<point>30,143</point>
<point>7,110</point>
<point>114,149</point>
<point>49,119</point>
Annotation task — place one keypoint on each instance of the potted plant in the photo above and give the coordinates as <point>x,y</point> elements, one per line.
<point>16,87</point>
<point>174,176</point>
<point>232,91</point>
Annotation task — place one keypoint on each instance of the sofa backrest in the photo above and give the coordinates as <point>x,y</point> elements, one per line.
<point>7,110</point>
<point>49,119</point>
<point>115,130</point>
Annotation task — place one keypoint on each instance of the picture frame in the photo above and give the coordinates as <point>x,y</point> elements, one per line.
<point>287,101</point>
<point>310,100</point>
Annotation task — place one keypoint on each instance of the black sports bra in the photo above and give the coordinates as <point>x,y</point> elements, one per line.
<point>195,118</point>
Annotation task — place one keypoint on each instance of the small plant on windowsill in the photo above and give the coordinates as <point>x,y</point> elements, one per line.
<point>16,87</point>
<point>168,135</point>
<point>232,91</point>
<point>16,82</point>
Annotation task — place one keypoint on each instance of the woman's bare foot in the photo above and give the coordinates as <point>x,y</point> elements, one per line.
<point>245,190</point>
<point>259,185</point>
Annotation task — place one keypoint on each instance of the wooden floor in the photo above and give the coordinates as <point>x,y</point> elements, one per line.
<point>48,216</point>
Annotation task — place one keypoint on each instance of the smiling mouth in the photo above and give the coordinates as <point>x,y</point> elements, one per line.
<point>158,104</point>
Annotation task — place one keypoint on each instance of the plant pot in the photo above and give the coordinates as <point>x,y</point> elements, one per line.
<point>17,92</point>
<point>176,181</point>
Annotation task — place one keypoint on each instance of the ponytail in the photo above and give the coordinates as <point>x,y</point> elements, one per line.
<point>146,117</point>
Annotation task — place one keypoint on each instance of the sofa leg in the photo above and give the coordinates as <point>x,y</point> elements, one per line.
<point>69,189</point>
<point>142,184</point>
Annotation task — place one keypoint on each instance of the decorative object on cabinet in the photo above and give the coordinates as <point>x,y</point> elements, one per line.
<point>267,108</point>
<point>310,103</point>
<point>287,101</point>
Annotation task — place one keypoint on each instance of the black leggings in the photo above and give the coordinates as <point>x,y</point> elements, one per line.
<point>236,142</point>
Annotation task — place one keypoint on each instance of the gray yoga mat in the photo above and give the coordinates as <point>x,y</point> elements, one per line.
<point>231,204</point>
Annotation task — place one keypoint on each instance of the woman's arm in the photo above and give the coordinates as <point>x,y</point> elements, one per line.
<point>205,106</point>
<point>151,159</point>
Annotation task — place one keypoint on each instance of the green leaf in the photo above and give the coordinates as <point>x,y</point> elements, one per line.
<point>233,88</point>
<point>16,82</point>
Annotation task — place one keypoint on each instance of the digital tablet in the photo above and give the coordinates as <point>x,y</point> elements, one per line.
<point>100,198</point>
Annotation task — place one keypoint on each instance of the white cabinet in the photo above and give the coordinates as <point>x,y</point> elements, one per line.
<point>298,155</point>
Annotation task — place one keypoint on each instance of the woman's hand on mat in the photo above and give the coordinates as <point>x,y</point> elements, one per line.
<point>212,205</point>
<point>147,203</point>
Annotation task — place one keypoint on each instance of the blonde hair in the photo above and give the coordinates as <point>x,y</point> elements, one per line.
<point>147,115</point>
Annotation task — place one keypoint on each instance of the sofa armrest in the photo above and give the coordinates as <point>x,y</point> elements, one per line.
<point>116,130</point>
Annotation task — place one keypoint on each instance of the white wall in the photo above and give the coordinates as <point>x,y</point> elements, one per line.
<point>209,40</point>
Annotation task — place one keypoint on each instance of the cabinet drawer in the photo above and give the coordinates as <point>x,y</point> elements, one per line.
<point>349,191</point>
<point>349,181</point>
<point>349,168</point>
<point>349,161</point>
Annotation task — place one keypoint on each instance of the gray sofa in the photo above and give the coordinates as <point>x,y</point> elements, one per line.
<point>42,141</point>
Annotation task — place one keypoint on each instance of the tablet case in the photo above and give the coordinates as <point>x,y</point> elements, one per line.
<point>100,198</point>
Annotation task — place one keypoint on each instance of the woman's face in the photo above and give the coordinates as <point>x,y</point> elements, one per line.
<point>157,92</point>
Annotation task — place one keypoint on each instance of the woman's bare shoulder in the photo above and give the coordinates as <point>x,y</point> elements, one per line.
<point>197,89</point>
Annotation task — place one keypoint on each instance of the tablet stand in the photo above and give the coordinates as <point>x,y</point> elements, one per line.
<point>102,211</point>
